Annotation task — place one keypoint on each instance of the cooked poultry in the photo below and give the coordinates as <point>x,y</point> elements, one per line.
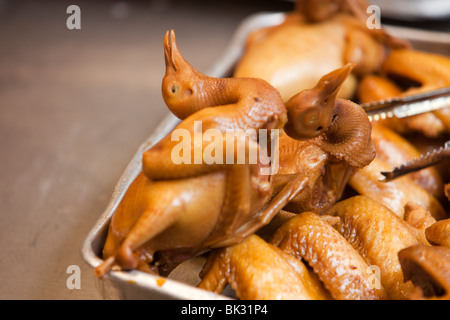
<point>222,104</point>
<point>426,160</point>
<point>395,194</point>
<point>395,150</point>
<point>240,205</point>
<point>338,265</point>
<point>424,187</point>
<point>255,269</point>
<point>258,270</point>
<point>419,219</point>
<point>378,235</point>
<point>315,39</point>
<point>439,233</point>
<point>169,209</point>
<point>357,252</point>
<point>421,71</point>
<point>326,139</point>
<point>413,166</point>
<point>175,210</point>
<point>428,267</point>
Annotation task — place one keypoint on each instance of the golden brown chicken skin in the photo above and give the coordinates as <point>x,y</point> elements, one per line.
<point>427,71</point>
<point>396,150</point>
<point>394,194</point>
<point>378,235</point>
<point>257,270</point>
<point>419,219</point>
<point>438,233</point>
<point>163,215</point>
<point>318,37</point>
<point>338,265</point>
<point>326,139</point>
<point>168,209</point>
<point>428,267</point>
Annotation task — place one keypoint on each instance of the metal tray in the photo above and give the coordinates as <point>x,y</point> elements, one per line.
<point>180,284</point>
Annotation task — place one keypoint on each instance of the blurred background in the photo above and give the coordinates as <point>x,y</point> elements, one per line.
<point>76,104</point>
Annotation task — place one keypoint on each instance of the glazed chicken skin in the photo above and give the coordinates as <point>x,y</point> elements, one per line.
<point>392,150</point>
<point>427,71</point>
<point>427,264</point>
<point>315,39</point>
<point>428,267</point>
<point>168,209</point>
<point>176,212</point>
<point>338,265</point>
<point>410,167</point>
<point>378,235</point>
<point>396,150</point>
<point>257,270</point>
<point>224,105</point>
<point>326,139</point>
<point>360,251</point>
<point>436,232</point>
<point>323,142</point>
<point>245,200</point>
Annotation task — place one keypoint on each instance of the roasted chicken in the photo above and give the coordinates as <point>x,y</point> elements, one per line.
<point>168,209</point>
<point>338,265</point>
<point>428,267</point>
<point>406,72</point>
<point>318,37</point>
<point>378,235</point>
<point>258,270</point>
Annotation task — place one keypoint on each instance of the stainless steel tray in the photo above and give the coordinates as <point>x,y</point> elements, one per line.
<point>180,284</point>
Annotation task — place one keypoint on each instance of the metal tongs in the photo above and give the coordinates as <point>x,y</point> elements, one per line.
<point>424,161</point>
<point>408,106</point>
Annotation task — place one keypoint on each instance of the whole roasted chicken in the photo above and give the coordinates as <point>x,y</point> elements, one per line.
<point>178,210</point>
<point>315,39</point>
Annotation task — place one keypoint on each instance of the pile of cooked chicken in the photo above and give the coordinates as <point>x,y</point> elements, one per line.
<point>323,225</point>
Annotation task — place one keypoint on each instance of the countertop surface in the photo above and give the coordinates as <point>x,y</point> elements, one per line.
<point>74,107</point>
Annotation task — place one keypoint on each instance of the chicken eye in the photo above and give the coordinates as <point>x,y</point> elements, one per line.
<point>174,88</point>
